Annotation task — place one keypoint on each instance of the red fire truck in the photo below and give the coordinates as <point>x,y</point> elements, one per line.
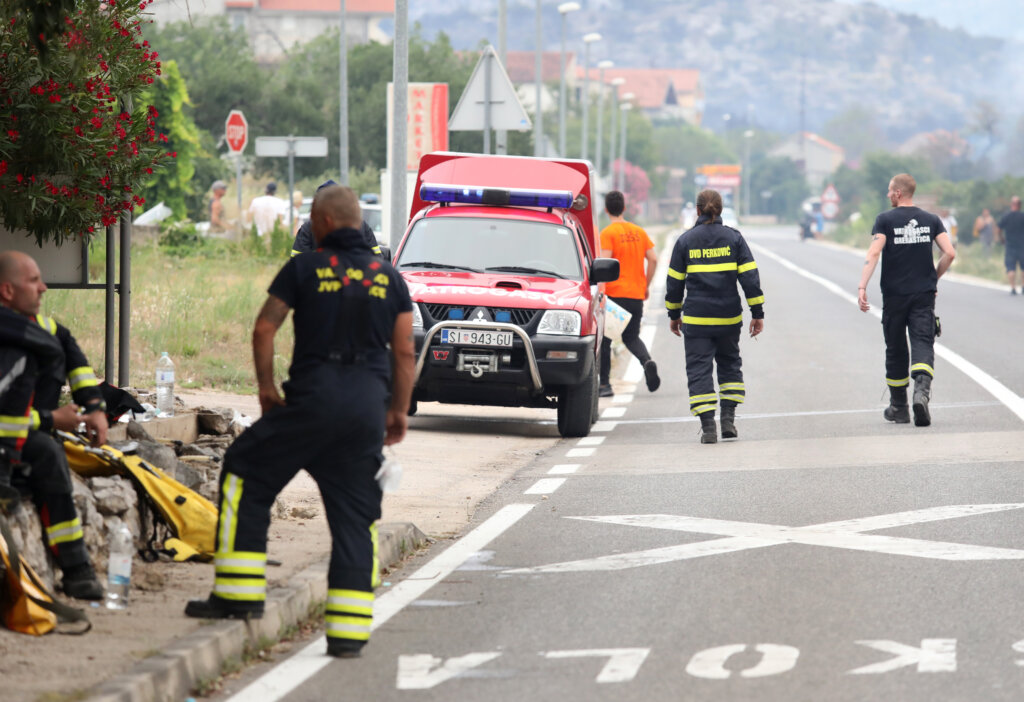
<point>500,256</point>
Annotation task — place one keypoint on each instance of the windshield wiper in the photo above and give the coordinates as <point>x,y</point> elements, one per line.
<point>524,269</point>
<point>431,264</point>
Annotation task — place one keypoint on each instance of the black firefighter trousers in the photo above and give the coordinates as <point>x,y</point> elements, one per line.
<point>913,316</point>
<point>703,353</point>
<point>333,426</point>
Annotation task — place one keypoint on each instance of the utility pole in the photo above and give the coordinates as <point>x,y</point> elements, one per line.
<point>500,135</point>
<point>343,96</point>
<point>400,115</point>
<point>538,67</point>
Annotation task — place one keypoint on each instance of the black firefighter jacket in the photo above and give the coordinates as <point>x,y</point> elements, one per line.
<point>707,261</point>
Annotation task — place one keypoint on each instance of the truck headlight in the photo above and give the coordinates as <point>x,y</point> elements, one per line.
<point>565,322</point>
<point>417,316</point>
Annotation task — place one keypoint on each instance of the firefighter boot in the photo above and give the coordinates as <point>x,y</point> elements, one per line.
<point>898,411</point>
<point>728,422</point>
<point>922,393</point>
<point>80,582</point>
<point>709,432</point>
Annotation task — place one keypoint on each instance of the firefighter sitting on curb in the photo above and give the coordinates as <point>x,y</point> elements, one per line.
<point>349,305</point>
<point>707,261</point>
<point>49,478</point>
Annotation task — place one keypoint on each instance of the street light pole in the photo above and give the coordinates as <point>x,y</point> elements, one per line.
<point>598,156</point>
<point>625,108</point>
<point>563,9</point>
<point>747,135</point>
<point>500,135</point>
<point>588,39</point>
<point>613,132</point>
<point>343,96</point>
<point>538,116</point>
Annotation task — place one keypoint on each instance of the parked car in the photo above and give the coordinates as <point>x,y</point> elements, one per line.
<point>500,260</point>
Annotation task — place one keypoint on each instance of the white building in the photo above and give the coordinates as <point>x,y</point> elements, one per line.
<point>819,156</point>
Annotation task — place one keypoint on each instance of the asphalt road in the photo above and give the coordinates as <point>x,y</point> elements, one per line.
<point>823,555</point>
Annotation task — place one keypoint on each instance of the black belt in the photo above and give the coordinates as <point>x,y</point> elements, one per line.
<point>348,358</point>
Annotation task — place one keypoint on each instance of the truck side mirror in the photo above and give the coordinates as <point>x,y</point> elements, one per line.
<point>604,270</point>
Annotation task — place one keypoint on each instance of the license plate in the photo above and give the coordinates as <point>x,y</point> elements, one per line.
<point>472,337</point>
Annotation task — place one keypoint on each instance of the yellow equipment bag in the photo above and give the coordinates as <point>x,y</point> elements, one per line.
<point>188,520</point>
<point>26,605</point>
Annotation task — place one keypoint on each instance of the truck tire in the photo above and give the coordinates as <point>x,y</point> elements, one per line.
<point>576,407</point>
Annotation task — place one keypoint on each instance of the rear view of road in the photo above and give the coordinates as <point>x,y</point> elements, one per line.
<point>825,554</point>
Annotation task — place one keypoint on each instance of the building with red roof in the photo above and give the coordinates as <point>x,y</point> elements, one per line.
<point>819,157</point>
<point>662,93</point>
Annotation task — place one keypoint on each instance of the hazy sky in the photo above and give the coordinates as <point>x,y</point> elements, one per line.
<point>1000,18</point>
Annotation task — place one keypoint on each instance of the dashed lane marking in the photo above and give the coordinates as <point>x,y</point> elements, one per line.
<point>613,412</point>
<point>545,486</point>
<point>579,452</point>
<point>564,469</point>
<point>591,441</point>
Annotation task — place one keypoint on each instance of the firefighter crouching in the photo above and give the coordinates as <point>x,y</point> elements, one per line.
<point>349,305</point>
<point>707,261</point>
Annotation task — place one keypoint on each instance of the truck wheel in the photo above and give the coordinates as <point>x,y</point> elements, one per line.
<point>576,407</point>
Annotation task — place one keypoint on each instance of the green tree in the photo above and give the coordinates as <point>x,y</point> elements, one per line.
<point>169,99</point>
<point>783,184</point>
<point>75,146</point>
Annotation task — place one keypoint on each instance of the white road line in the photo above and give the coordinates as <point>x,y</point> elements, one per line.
<point>591,441</point>
<point>1002,393</point>
<point>622,399</point>
<point>564,468</point>
<point>603,426</point>
<point>310,660</point>
<point>545,486</point>
<point>579,452</point>
<point>612,412</point>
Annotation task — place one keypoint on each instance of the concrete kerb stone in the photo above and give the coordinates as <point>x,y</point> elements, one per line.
<point>184,663</point>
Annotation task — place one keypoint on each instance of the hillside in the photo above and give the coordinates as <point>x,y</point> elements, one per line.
<point>912,73</point>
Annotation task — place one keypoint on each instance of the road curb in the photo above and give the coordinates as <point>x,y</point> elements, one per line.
<point>177,670</point>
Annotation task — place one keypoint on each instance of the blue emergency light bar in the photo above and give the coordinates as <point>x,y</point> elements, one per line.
<point>519,197</point>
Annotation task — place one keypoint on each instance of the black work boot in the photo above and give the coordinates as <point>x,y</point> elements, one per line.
<point>728,422</point>
<point>709,432</point>
<point>898,411</point>
<point>344,648</point>
<point>80,582</point>
<point>216,608</point>
<point>651,375</point>
<point>922,393</point>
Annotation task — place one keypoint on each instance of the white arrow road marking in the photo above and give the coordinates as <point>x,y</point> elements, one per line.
<point>846,534</point>
<point>710,663</point>
<point>622,666</point>
<point>934,656</point>
<point>424,671</point>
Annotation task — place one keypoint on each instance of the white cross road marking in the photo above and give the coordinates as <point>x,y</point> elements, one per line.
<point>710,663</point>
<point>424,671</point>
<point>934,656</point>
<point>622,666</point>
<point>846,534</point>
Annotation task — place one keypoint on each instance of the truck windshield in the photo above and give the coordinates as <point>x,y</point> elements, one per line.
<point>507,245</point>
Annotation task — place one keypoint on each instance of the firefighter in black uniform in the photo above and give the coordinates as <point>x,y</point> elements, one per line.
<point>349,306</point>
<point>304,237</point>
<point>909,284</point>
<point>49,478</point>
<point>706,263</point>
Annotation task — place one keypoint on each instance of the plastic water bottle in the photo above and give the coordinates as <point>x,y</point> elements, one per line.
<point>165,386</point>
<point>119,566</point>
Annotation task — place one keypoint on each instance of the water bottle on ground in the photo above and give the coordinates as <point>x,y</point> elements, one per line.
<point>165,386</point>
<point>119,566</point>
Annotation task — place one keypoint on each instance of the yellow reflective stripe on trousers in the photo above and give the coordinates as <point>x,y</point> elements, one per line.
<point>357,628</point>
<point>712,321</point>
<point>731,386</point>
<point>350,602</point>
<point>735,398</point>
<point>64,532</point>
<point>295,252</point>
<point>240,563</point>
<point>375,573</point>
<point>709,397</point>
<point>701,409</point>
<point>923,367</point>
<point>897,383</point>
<point>14,426</point>
<point>232,490</point>
<point>673,305</point>
<point>673,273</point>
<point>242,589</point>
<point>83,377</point>
<point>744,267</point>
<point>710,267</point>
<point>47,323</point>
<point>759,300</point>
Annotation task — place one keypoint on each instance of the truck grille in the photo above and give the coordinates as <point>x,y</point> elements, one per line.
<point>516,315</point>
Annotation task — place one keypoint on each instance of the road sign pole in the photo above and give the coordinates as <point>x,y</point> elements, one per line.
<point>238,183</point>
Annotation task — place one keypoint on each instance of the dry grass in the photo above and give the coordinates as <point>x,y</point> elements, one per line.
<point>199,308</point>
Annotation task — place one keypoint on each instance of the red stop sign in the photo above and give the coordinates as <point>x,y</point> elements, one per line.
<point>236,131</point>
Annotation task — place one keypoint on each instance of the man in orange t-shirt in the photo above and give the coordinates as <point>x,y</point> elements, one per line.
<point>629,244</point>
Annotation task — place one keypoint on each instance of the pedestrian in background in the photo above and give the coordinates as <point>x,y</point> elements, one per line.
<point>1011,229</point>
<point>707,263</point>
<point>903,238</point>
<point>353,334</point>
<point>267,210</point>
<point>634,250</point>
<point>218,222</point>
<point>985,228</point>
